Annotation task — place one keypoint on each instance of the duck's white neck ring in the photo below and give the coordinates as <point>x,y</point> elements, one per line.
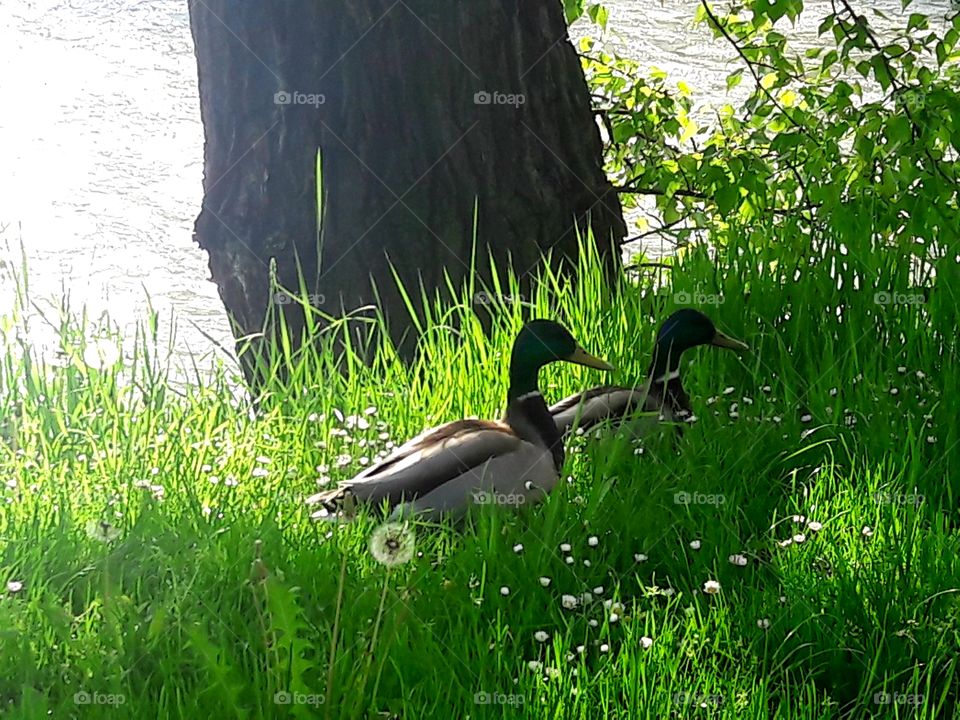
<point>667,377</point>
<point>527,396</point>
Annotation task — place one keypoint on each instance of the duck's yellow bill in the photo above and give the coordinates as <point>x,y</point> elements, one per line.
<point>582,357</point>
<point>725,341</point>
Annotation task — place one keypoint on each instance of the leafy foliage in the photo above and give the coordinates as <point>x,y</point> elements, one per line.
<point>866,121</point>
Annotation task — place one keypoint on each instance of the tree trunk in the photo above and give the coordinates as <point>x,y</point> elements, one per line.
<point>421,112</point>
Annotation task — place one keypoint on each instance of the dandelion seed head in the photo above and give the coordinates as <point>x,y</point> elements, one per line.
<point>393,544</point>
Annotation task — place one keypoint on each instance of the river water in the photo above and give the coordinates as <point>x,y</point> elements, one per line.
<point>101,148</point>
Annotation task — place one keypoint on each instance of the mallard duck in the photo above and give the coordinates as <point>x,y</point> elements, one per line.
<point>445,469</point>
<point>661,397</point>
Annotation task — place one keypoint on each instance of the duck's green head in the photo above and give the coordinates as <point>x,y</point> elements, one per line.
<point>683,330</point>
<point>539,343</point>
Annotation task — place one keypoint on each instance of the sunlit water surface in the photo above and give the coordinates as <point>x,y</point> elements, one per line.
<point>101,149</point>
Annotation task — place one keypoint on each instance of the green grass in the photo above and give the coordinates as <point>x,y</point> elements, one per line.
<point>218,592</point>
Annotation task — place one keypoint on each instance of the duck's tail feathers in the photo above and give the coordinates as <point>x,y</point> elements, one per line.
<point>333,503</point>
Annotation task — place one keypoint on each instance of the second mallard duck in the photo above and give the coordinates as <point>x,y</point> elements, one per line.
<point>446,469</point>
<point>661,397</point>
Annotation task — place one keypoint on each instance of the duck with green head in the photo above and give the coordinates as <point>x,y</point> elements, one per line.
<point>445,469</point>
<point>661,397</point>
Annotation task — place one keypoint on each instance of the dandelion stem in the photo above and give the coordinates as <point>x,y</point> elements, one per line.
<point>373,640</point>
<point>336,632</point>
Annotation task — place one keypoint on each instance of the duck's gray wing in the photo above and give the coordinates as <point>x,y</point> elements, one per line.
<point>426,463</point>
<point>597,405</point>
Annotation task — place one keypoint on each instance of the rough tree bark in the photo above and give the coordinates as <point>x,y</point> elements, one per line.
<point>393,95</point>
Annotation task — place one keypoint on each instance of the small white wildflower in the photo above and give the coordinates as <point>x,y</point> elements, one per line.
<point>581,649</point>
<point>14,586</point>
<point>540,636</point>
<point>763,623</point>
<point>711,587</point>
<point>604,648</point>
<point>504,591</point>
<point>587,563</point>
<point>739,560</point>
<point>639,557</point>
<point>921,374</point>
<point>728,390</point>
<point>785,543</point>
<point>806,417</point>
<point>259,472</point>
<point>694,544</point>
<point>545,581</point>
<point>535,665</point>
<point>569,602</point>
<point>565,547</point>
<point>814,526</point>
<point>592,622</point>
<point>518,548</point>
<point>593,541</point>
<point>867,531</point>
<point>646,642</point>
<point>614,618</point>
<point>568,560</point>
<point>598,590</point>
<point>932,439</point>
<point>799,538</point>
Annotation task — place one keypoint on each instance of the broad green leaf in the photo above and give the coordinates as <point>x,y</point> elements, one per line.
<point>734,78</point>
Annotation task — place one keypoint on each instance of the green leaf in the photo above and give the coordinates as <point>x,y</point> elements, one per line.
<point>598,13</point>
<point>917,20</point>
<point>727,199</point>
<point>734,78</point>
<point>881,71</point>
<point>573,9</point>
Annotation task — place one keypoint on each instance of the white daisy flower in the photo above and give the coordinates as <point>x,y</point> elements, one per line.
<point>14,586</point>
<point>646,642</point>
<point>569,602</point>
<point>540,636</point>
<point>593,541</point>
<point>694,544</point>
<point>711,587</point>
